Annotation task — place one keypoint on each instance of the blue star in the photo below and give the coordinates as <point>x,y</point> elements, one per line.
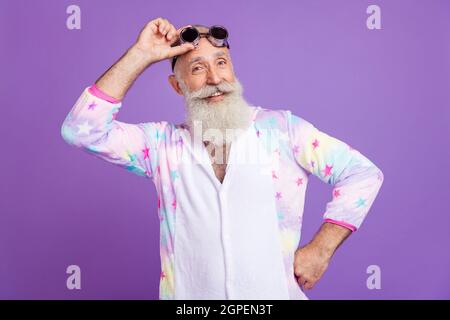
<point>280,215</point>
<point>173,174</point>
<point>132,157</point>
<point>361,202</point>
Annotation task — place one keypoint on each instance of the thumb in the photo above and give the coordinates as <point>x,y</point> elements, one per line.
<point>181,49</point>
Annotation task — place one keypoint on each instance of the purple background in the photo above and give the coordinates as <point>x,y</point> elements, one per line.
<point>385,92</point>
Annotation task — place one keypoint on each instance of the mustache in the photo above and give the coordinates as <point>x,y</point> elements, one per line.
<point>208,90</point>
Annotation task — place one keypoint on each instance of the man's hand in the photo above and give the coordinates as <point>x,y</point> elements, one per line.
<point>311,261</point>
<point>152,45</point>
<point>156,38</point>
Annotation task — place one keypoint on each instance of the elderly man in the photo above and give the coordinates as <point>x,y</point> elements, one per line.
<point>230,179</point>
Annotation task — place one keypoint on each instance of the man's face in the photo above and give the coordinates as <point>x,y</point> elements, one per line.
<point>206,65</point>
<point>213,95</point>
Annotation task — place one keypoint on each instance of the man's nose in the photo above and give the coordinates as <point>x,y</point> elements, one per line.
<point>213,77</point>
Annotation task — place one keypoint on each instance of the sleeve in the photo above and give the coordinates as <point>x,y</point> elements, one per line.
<point>91,126</point>
<point>355,179</point>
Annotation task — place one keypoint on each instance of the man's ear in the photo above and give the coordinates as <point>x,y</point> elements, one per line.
<point>175,85</point>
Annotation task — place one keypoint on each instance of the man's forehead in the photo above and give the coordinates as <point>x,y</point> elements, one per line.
<point>204,51</point>
<point>202,29</point>
<point>201,57</point>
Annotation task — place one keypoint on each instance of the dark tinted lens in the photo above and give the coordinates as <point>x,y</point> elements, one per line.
<point>189,34</point>
<point>219,33</point>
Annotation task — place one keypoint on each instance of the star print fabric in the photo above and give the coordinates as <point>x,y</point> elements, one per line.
<point>356,180</point>
<point>91,125</point>
<point>212,233</point>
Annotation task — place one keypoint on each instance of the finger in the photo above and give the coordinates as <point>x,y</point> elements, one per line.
<point>308,285</point>
<point>161,23</point>
<point>154,28</point>
<point>301,280</point>
<point>172,33</point>
<point>167,27</point>
<point>176,34</point>
<point>156,22</point>
<point>179,50</point>
<point>297,271</point>
<point>152,25</point>
<point>161,27</point>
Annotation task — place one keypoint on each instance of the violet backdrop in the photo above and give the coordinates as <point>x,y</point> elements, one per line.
<point>385,92</point>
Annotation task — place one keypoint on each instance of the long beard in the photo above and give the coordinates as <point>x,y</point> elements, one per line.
<point>221,121</point>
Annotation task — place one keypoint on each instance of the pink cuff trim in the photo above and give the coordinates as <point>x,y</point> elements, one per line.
<point>100,94</point>
<point>342,224</point>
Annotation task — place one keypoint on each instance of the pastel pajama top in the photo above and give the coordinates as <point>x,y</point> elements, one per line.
<point>236,239</point>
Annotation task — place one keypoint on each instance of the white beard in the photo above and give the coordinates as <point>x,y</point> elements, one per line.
<point>220,121</point>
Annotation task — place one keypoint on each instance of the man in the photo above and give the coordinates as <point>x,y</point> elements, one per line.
<point>231,179</point>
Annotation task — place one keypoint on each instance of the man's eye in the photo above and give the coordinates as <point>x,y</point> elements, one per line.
<point>224,62</point>
<point>196,68</point>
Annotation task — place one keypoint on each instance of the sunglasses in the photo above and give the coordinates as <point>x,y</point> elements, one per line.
<point>217,36</point>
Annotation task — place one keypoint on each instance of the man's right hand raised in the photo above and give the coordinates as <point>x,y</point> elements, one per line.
<point>152,45</point>
<point>156,38</point>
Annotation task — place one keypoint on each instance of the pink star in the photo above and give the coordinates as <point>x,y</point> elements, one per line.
<point>278,195</point>
<point>315,143</point>
<point>336,193</point>
<point>145,151</point>
<point>327,170</point>
<point>274,175</point>
<point>147,172</point>
<point>299,181</point>
<point>92,105</point>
